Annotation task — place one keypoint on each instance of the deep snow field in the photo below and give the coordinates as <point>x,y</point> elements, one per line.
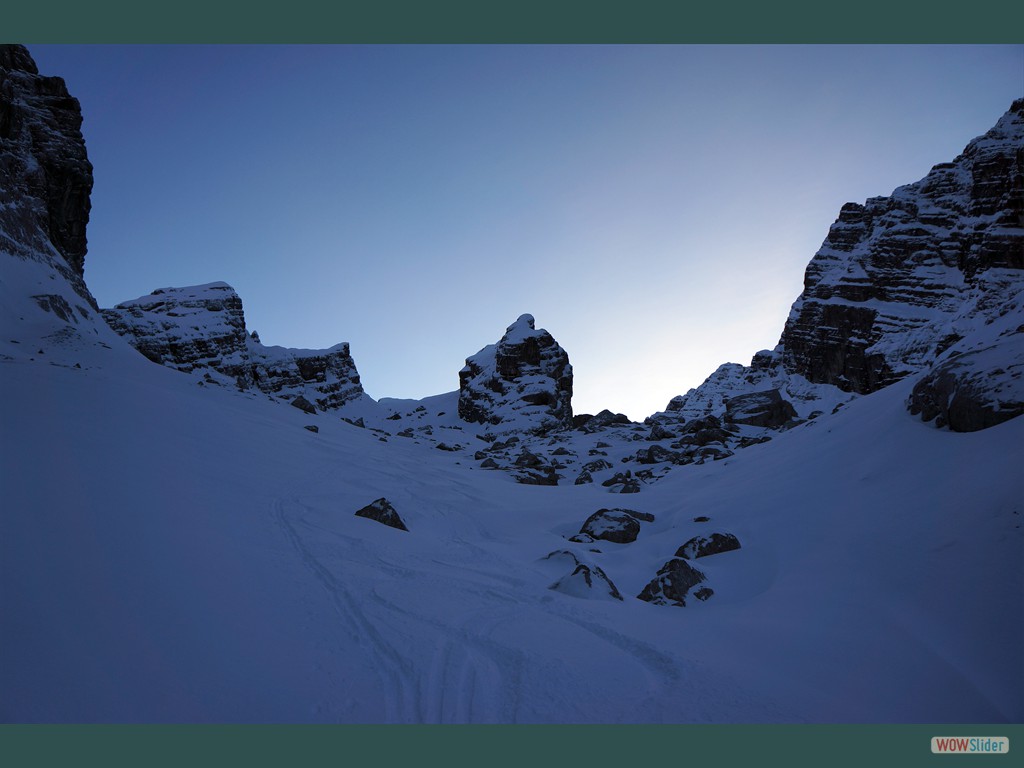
<point>176,553</point>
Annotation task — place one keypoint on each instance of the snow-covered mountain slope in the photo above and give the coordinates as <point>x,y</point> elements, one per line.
<point>201,330</point>
<point>202,561</point>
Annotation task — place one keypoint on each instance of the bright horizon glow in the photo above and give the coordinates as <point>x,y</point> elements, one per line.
<point>653,207</point>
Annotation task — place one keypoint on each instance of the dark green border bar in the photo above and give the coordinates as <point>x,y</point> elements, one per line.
<point>485,746</point>
<point>515,21</point>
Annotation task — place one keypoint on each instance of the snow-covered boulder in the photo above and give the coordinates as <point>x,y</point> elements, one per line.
<point>620,526</point>
<point>584,580</point>
<point>524,382</point>
<point>702,546</point>
<point>673,583</point>
<point>382,511</point>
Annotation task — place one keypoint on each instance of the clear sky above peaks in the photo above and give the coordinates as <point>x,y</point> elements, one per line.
<point>653,207</point>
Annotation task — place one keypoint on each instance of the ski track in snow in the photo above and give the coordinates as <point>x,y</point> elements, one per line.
<point>392,669</point>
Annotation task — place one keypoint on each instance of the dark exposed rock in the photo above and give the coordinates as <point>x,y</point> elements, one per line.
<point>702,546</point>
<point>658,432</point>
<point>597,465</point>
<point>489,464</point>
<point>303,404</point>
<point>538,476</point>
<point>382,511</point>
<point>672,584</point>
<point>701,519</point>
<point>527,459</point>
<point>657,455</point>
<point>583,478</point>
<point>522,382</point>
<point>312,428</point>
<point>615,525</point>
<point>446,447</point>
<point>602,420</point>
<point>760,409</point>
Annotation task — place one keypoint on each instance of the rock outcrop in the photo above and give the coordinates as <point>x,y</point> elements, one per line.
<point>522,383</point>
<point>202,328</point>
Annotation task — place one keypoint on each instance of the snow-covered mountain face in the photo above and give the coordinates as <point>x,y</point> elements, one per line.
<point>523,383</point>
<point>175,552</point>
<point>920,282</point>
<point>201,330</point>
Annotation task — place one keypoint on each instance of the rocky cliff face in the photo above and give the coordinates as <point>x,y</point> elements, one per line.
<point>45,181</point>
<point>897,276</point>
<point>201,330</point>
<point>46,174</point>
<point>903,284</point>
<point>524,382</point>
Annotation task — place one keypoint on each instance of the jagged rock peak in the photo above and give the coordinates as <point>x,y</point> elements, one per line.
<point>45,174</point>
<point>524,382</point>
<point>201,328</point>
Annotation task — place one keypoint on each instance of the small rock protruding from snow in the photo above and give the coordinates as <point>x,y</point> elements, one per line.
<point>382,511</point>
<point>303,404</point>
<point>702,546</point>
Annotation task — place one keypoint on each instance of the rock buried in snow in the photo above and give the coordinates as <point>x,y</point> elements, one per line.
<point>382,511</point>
<point>702,546</point>
<point>674,581</point>
<point>585,580</point>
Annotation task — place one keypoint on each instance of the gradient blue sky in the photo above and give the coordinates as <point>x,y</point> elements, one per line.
<point>654,207</point>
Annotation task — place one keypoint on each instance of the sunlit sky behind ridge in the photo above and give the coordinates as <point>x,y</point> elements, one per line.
<point>654,207</point>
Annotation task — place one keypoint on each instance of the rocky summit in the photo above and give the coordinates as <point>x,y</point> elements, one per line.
<point>524,382</point>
